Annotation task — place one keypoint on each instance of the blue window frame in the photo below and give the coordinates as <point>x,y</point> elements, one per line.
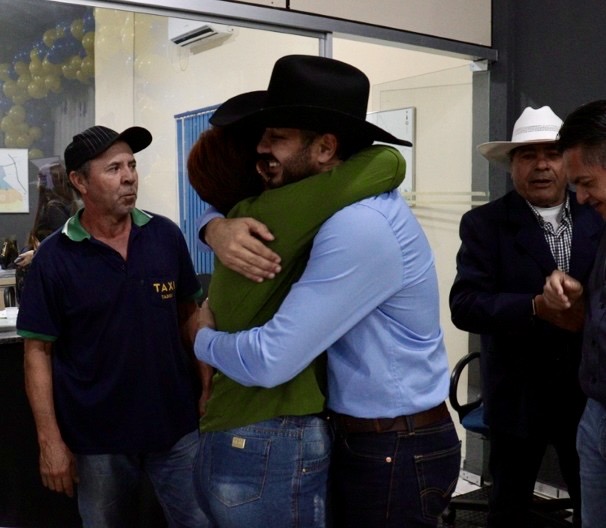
<point>189,127</point>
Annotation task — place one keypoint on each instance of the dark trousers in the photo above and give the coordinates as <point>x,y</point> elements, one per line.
<point>514,464</point>
<point>394,479</point>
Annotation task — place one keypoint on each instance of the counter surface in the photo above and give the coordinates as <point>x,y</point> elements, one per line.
<point>24,501</point>
<point>10,336</point>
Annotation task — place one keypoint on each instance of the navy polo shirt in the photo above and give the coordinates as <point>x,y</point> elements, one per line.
<point>123,382</point>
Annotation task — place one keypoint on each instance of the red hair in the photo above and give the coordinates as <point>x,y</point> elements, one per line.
<point>222,166</point>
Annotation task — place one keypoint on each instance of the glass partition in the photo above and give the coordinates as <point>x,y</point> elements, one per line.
<point>65,67</point>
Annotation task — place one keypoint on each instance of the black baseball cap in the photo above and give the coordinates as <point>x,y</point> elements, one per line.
<point>97,139</point>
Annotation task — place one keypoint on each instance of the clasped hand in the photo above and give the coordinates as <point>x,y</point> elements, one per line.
<point>561,303</point>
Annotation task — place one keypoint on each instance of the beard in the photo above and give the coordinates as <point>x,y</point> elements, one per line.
<point>294,168</point>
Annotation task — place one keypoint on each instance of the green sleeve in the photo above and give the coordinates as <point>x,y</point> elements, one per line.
<point>294,214</point>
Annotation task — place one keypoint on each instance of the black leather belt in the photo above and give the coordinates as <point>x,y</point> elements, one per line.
<point>351,424</point>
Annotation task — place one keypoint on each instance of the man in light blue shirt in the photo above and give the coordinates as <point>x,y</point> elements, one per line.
<point>369,296</point>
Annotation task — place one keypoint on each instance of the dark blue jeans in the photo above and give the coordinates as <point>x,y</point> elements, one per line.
<point>396,479</point>
<point>591,443</point>
<point>108,482</point>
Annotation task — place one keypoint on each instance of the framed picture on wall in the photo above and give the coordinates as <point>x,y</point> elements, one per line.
<point>401,123</point>
<point>14,189</point>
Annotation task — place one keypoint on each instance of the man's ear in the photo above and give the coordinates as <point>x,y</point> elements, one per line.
<point>78,181</point>
<point>327,147</point>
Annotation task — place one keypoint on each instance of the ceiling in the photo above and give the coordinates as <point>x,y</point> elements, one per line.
<point>23,23</point>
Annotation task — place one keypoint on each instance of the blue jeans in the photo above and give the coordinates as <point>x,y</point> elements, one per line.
<point>271,473</point>
<point>109,484</point>
<point>591,445</point>
<point>394,479</point>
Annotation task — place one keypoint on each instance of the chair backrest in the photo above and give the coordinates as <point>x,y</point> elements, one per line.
<point>471,414</point>
<point>204,280</point>
<point>10,298</point>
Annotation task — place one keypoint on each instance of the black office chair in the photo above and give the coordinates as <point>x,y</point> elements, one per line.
<point>471,417</point>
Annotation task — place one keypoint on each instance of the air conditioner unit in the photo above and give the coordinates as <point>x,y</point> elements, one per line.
<point>194,34</point>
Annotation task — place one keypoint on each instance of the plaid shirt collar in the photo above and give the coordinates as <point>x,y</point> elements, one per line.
<point>559,240</point>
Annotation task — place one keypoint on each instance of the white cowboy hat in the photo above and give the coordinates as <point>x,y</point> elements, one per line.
<point>533,126</point>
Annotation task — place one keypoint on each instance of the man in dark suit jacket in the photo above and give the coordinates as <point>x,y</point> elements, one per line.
<point>530,353</point>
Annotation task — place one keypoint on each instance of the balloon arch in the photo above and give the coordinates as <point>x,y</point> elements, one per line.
<point>37,80</point>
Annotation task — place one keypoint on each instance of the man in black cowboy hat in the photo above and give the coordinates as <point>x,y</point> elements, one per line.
<point>110,382</point>
<point>368,295</point>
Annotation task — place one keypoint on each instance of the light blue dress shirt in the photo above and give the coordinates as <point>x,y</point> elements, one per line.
<point>369,296</point>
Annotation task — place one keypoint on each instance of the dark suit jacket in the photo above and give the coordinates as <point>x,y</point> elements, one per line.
<point>529,367</point>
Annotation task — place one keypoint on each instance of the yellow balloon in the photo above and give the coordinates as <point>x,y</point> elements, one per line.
<point>35,66</point>
<point>52,83</point>
<point>22,129</point>
<point>10,140</point>
<point>21,98</point>
<point>17,112</point>
<point>68,71</point>
<point>37,90</point>
<point>7,124</point>
<point>77,28</point>
<point>35,153</point>
<point>88,66</point>
<point>49,67</point>
<point>21,67</point>
<point>75,62</point>
<point>88,42</point>
<point>24,80</point>
<point>23,141</point>
<point>49,36</point>
<point>82,77</point>
<point>10,88</point>
<point>35,133</point>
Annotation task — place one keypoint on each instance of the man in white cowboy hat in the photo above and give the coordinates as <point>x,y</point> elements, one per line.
<point>368,294</point>
<point>530,352</point>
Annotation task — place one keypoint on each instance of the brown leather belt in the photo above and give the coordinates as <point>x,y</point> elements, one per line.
<point>351,424</point>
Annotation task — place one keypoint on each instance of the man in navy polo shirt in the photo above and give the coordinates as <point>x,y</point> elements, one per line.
<point>112,386</point>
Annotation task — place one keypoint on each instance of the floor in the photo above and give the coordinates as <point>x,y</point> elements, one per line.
<point>464,486</point>
<point>469,519</point>
<point>477,519</point>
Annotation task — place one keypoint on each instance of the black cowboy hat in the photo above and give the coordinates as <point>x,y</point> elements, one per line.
<point>311,93</point>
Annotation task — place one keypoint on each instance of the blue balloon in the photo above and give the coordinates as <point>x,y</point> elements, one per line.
<point>62,27</point>
<point>59,51</point>
<point>5,104</point>
<point>72,44</point>
<point>36,110</point>
<point>88,21</point>
<point>22,56</point>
